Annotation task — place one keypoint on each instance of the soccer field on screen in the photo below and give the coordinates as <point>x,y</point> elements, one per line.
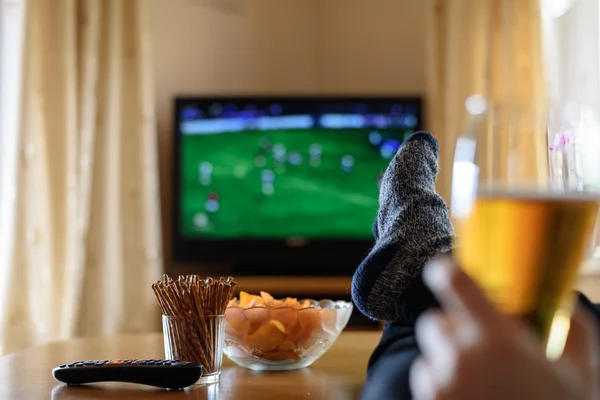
<point>317,198</point>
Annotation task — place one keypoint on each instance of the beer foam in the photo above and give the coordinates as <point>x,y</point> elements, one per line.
<point>545,195</point>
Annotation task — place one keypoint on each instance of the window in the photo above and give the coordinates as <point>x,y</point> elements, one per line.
<point>571,37</point>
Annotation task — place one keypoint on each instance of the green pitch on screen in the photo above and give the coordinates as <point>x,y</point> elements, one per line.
<point>314,201</point>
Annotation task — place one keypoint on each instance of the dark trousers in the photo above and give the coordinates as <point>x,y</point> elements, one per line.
<point>389,365</point>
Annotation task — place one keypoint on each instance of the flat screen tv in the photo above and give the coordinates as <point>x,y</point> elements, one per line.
<point>282,185</point>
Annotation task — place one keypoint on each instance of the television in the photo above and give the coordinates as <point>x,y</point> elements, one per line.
<point>282,185</point>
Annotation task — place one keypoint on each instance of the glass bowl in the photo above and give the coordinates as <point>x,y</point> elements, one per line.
<point>283,338</point>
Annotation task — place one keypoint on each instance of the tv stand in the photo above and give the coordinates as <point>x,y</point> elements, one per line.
<point>295,284</point>
<point>316,287</point>
<point>276,284</point>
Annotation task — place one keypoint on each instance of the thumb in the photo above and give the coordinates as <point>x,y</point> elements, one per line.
<point>459,295</point>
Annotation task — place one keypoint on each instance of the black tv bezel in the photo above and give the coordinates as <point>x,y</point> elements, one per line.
<point>273,257</point>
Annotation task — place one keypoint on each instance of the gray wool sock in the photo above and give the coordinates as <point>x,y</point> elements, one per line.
<point>412,227</point>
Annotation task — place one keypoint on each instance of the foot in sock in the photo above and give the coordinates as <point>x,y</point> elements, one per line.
<point>412,227</point>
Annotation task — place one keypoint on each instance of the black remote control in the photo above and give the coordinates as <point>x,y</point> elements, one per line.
<point>168,374</point>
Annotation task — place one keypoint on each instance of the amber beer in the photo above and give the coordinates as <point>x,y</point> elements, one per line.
<point>525,250</point>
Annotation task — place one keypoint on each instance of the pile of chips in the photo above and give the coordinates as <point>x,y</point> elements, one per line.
<point>277,329</point>
<point>266,300</point>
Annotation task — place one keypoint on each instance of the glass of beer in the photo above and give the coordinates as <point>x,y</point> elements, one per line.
<point>521,235</point>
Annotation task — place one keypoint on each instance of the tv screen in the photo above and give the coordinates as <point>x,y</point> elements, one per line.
<point>280,168</point>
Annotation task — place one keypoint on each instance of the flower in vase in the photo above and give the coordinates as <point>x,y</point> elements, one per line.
<point>561,141</point>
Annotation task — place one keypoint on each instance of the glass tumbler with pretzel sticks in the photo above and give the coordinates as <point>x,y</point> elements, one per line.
<point>198,339</point>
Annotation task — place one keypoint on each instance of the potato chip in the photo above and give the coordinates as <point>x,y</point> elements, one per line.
<point>268,299</point>
<point>287,345</point>
<point>294,303</point>
<point>267,338</point>
<point>237,322</point>
<point>288,318</point>
<point>258,316</point>
<point>249,300</point>
<point>309,319</point>
<point>310,326</point>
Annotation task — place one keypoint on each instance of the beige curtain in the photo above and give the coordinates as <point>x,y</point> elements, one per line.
<point>84,220</point>
<point>491,48</point>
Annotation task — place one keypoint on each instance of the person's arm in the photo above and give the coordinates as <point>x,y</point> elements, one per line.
<point>470,350</point>
<point>592,308</point>
<point>390,363</point>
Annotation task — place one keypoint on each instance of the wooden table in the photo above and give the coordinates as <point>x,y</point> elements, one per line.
<point>339,374</point>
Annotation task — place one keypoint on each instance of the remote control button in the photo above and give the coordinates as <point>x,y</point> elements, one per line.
<point>89,363</point>
<point>99,363</point>
<point>167,363</point>
<point>71,365</point>
<point>115,362</point>
<point>158,362</point>
<point>63,366</point>
<point>79,365</point>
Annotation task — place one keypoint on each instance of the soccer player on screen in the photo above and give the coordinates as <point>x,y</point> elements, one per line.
<point>267,180</point>
<point>315,151</point>
<point>347,163</point>
<point>205,171</point>
<point>212,202</point>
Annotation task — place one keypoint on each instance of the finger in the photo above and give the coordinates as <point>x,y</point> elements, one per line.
<point>436,339</point>
<point>458,294</point>
<point>582,345</point>
<point>420,379</point>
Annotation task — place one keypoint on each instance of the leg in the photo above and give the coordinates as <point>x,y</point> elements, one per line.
<point>389,366</point>
<point>390,362</point>
<point>412,227</point>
